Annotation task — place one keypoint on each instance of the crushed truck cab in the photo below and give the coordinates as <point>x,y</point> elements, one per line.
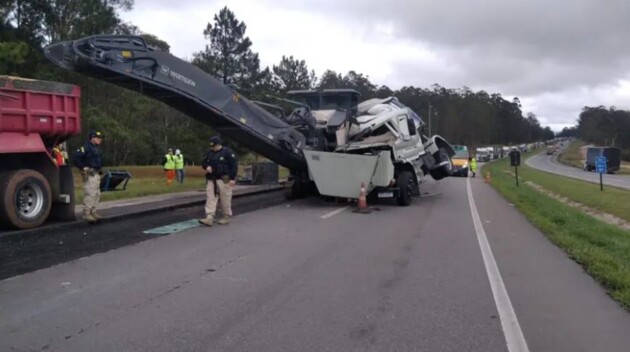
<point>385,151</point>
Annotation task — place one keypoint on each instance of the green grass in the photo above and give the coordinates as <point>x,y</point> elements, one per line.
<point>571,155</point>
<point>602,249</point>
<point>612,200</point>
<point>146,187</point>
<point>151,180</point>
<point>146,181</point>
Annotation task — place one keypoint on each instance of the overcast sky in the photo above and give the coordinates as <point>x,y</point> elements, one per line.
<point>555,55</point>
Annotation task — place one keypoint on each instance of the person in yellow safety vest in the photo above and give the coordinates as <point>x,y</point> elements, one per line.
<point>169,167</point>
<point>179,166</point>
<point>472,162</point>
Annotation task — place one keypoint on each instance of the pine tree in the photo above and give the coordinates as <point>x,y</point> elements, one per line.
<point>229,56</point>
<point>293,74</point>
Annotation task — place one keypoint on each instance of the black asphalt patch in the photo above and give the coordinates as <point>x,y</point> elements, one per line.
<point>33,250</point>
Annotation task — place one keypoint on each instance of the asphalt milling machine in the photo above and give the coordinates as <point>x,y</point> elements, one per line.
<point>329,141</point>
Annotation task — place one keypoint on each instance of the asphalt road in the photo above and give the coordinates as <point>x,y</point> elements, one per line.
<point>25,251</point>
<point>314,276</point>
<point>549,163</point>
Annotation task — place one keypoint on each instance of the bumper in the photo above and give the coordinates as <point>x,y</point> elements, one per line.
<point>460,172</point>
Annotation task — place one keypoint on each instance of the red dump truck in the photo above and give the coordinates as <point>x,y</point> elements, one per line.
<point>35,116</point>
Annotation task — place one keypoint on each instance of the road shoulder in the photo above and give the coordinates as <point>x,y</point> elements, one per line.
<point>559,306</point>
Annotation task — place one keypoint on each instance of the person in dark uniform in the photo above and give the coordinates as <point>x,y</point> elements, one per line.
<point>89,160</point>
<point>221,169</point>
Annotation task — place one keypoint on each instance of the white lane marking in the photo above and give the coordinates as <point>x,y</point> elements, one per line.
<point>334,212</point>
<point>509,322</point>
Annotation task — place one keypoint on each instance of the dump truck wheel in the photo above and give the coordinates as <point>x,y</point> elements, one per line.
<point>444,171</point>
<point>25,199</point>
<point>406,186</point>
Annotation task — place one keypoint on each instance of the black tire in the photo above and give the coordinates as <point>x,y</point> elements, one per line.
<point>444,171</point>
<point>406,185</point>
<point>25,199</point>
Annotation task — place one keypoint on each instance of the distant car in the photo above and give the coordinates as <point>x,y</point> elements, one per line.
<point>551,149</point>
<point>484,154</point>
<point>460,160</point>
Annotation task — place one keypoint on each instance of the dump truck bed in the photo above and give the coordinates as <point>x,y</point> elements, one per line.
<point>49,109</point>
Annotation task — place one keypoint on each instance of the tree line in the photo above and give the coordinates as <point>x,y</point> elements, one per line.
<point>604,126</point>
<point>461,115</point>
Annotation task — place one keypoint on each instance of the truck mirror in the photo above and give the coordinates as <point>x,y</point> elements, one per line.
<point>515,158</point>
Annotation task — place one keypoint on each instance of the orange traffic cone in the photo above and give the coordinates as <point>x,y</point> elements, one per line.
<point>362,206</point>
<point>488,178</point>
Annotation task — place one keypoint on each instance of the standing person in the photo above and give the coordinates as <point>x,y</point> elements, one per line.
<point>472,161</point>
<point>58,155</point>
<point>169,167</point>
<point>89,160</point>
<point>221,168</point>
<point>179,166</point>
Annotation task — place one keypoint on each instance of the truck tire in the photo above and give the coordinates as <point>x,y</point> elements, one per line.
<point>444,171</point>
<point>406,185</point>
<point>25,199</point>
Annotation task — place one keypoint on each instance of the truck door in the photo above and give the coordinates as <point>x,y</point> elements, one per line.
<point>408,145</point>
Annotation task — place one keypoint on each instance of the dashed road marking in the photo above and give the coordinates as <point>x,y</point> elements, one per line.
<point>334,212</point>
<point>509,322</point>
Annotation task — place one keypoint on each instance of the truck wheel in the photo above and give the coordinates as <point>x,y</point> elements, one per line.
<point>444,171</point>
<point>25,199</point>
<point>406,186</point>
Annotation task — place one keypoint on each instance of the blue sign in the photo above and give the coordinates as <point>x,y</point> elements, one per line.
<point>601,165</point>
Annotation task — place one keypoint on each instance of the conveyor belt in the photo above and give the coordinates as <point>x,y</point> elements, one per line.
<point>129,62</point>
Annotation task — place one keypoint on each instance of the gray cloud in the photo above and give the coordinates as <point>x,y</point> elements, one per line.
<point>585,41</point>
<point>557,56</point>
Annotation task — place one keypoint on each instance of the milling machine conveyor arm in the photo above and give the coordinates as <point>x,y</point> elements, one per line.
<point>129,62</point>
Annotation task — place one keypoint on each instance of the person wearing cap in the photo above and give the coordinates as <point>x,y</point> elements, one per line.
<point>89,160</point>
<point>221,167</point>
<point>179,166</point>
<point>169,167</point>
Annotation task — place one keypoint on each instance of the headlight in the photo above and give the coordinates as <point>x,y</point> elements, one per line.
<point>465,165</point>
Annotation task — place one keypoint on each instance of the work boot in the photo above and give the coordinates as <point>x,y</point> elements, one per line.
<point>96,215</point>
<point>208,221</point>
<point>88,217</point>
<point>224,221</point>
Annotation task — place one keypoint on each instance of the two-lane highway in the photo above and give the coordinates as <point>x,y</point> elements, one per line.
<point>314,276</point>
<point>550,164</point>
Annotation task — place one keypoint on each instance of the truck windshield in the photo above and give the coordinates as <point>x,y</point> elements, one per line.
<point>461,154</point>
<point>327,101</point>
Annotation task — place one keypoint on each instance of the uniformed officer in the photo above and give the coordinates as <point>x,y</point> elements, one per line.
<point>89,160</point>
<point>221,168</point>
